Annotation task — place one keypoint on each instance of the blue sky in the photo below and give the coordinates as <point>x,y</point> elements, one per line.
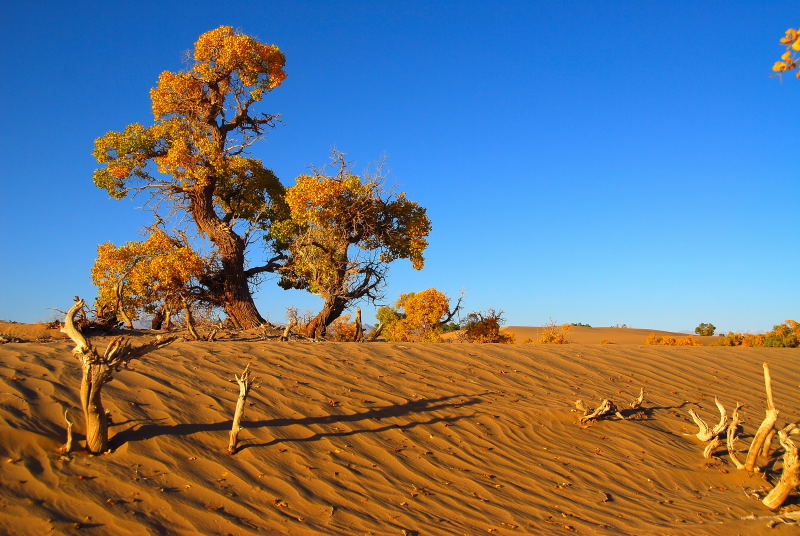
<point>602,162</point>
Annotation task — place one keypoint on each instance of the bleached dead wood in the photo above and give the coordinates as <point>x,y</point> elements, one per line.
<point>359,334</point>
<point>118,290</point>
<point>288,329</point>
<point>706,433</point>
<point>766,425</point>
<point>245,382</point>
<point>790,476</point>
<point>189,320</point>
<point>606,407</point>
<point>637,402</point>
<point>67,448</point>
<point>712,445</point>
<point>375,333</point>
<point>730,439</point>
<point>97,371</point>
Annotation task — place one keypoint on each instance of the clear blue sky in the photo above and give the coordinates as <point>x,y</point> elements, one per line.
<point>602,162</point>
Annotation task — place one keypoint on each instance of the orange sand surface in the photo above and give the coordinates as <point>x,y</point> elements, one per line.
<point>584,335</point>
<point>351,439</point>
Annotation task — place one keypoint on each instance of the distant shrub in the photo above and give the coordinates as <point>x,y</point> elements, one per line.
<point>784,335</point>
<point>482,327</point>
<point>579,325</point>
<point>554,334</point>
<point>704,329</point>
<point>342,329</point>
<point>669,340</point>
<point>620,326</point>
<point>606,341</point>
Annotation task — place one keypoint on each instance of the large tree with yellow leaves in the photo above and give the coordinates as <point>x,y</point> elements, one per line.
<point>344,230</point>
<point>194,158</point>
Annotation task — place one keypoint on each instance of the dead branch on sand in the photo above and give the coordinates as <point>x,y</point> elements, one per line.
<point>790,477</point>
<point>99,370</point>
<point>67,448</point>
<point>766,426</point>
<point>607,408</point>
<point>245,382</point>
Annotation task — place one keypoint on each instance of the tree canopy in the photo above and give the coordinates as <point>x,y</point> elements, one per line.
<point>193,157</point>
<point>344,230</point>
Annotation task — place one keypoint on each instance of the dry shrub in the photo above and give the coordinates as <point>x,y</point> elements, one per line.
<point>669,340</point>
<point>342,329</point>
<point>606,341</point>
<point>554,334</point>
<point>482,328</point>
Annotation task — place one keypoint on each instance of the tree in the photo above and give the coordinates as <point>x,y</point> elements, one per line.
<point>419,317</point>
<point>790,57</point>
<point>484,327</point>
<point>343,231</point>
<point>705,329</point>
<point>150,276</point>
<point>192,158</point>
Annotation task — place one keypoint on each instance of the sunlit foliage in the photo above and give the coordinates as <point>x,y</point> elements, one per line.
<point>785,335</point>
<point>553,334</point>
<point>789,59</point>
<point>705,329</point>
<point>343,231</point>
<point>193,156</point>
<point>418,317</point>
<point>342,329</point>
<point>669,340</point>
<point>153,273</point>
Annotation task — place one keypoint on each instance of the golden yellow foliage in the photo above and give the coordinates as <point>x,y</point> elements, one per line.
<point>152,272</point>
<point>789,58</point>
<point>554,334</point>
<point>669,340</point>
<point>342,329</point>
<point>420,317</point>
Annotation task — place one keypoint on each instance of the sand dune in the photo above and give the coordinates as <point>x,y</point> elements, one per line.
<point>585,335</point>
<point>350,439</point>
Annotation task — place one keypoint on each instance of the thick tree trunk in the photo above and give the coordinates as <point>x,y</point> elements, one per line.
<point>318,326</point>
<point>158,319</point>
<point>232,289</point>
<point>94,415</point>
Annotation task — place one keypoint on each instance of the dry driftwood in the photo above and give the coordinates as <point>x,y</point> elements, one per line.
<point>375,333</point>
<point>97,371</point>
<point>712,445</point>
<point>359,335</point>
<point>730,439</point>
<point>766,425</point>
<point>189,320</point>
<point>706,433</point>
<point>606,408</point>
<point>67,448</point>
<point>288,329</point>
<point>790,477</point>
<point>245,382</point>
<point>118,290</point>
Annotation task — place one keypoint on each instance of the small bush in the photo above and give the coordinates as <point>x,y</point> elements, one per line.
<point>704,329</point>
<point>606,341</point>
<point>554,334</point>
<point>482,328</point>
<point>669,340</point>
<point>580,325</point>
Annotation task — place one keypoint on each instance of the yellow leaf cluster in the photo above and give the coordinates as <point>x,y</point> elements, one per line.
<point>420,318</point>
<point>669,340</point>
<point>789,58</point>
<point>152,271</point>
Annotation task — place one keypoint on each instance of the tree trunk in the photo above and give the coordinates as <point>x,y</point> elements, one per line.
<point>230,288</point>
<point>95,418</point>
<point>318,326</point>
<point>359,335</point>
<point>158,319</point>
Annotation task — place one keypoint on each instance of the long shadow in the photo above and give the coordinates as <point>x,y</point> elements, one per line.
<point>149,431</point>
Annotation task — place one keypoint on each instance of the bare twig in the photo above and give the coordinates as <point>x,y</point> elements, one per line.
<point>766,425</point>
<point>245,382</point>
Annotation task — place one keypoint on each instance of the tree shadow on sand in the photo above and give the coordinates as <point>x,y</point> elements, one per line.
<point>151,430</point>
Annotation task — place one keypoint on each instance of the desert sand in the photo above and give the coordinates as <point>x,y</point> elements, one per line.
<point>380,438</point>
